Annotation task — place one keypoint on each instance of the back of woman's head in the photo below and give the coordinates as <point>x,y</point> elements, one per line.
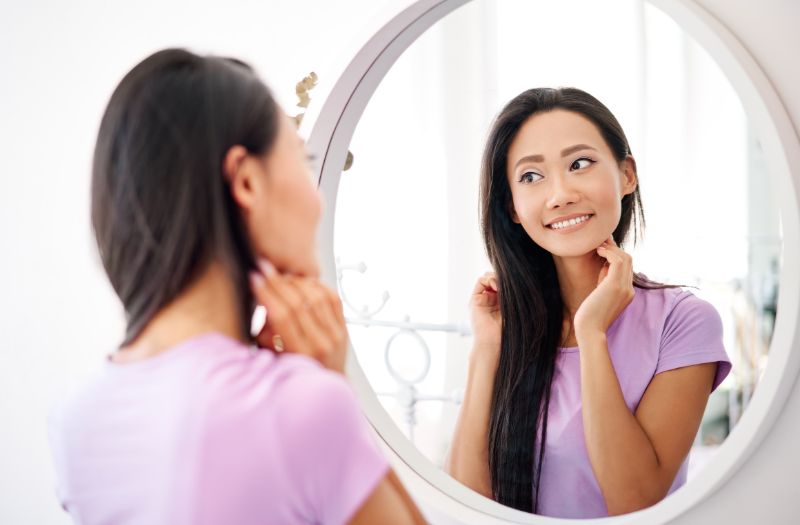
<point>161,208</point>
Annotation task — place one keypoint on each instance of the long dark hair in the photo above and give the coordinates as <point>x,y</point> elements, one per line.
<point>161,207</point>
<point>531,305</point>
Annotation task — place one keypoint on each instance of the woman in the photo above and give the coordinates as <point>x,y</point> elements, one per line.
<point>587,382</point>
<point>198,180</point>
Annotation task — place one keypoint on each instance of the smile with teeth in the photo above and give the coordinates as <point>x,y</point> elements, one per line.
<point>569,222</point>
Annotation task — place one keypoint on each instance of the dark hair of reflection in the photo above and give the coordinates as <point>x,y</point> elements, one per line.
<point>161,207</point>
<point>530,298</point>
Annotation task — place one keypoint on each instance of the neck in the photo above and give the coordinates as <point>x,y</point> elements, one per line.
<point>577,278</point>
<point>208,305</point>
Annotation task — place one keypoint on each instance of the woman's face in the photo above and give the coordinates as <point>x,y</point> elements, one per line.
<point>280,202</point>
<point>561,169</point>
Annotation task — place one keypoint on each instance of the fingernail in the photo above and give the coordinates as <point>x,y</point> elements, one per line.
<point>266,266</point>
<point>256,279</point>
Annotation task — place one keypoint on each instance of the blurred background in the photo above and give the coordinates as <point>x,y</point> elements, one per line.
<point>406,227</point>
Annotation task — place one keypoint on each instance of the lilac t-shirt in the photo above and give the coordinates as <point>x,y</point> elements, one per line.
<point>659,330</point>
<point>212,431</point>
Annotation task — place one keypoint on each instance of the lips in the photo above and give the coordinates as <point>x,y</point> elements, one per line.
<point>566,221</point>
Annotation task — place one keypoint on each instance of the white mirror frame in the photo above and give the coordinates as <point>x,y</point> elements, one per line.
<point>443,499</point>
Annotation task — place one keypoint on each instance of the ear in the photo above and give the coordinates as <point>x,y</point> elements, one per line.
<point>630,178</point>
<point>238,171</point>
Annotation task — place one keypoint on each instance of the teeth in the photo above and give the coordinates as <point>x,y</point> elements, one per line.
<point>569,222</point>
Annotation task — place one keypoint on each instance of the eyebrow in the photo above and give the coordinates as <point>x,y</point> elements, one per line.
<point>564,153</point>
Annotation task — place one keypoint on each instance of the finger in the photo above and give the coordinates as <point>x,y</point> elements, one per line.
<point>266,282</point>
<point>613,259</point>
<point>279,285</point>
<point>266,337</point>
<point>624,258</point>
<point>280,321</point>
<point>304,302</point>
<point>328,332</point>
<point>266,295</point>
<point>334,301</point>
<point>275,308</point>
<point>258,285</point>
<point>486,300</point>
<point>618,268</point>
<point>486,282</point>
<point>614,248</point>
<point>329,326</point>
<point>286,312</point>
<point>608,253</point>
<point>289,288</point>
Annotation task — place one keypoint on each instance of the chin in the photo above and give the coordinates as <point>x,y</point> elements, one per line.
<point>577,252</point>
<point>314,271</point>
<point>296,261</point>
<point>309,268</point>
<point>572,247</point>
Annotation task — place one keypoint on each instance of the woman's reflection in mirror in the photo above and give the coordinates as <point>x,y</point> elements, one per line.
<point>587,381</point>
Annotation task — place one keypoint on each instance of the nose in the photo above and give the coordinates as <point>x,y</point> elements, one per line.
<point>561,193</point>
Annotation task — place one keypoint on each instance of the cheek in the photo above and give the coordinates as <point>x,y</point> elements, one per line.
<point>257,225</point>
<point>277,227</point>
<point>319,205</point>
<point>529,210</point>
<point>529,213</point>
<point>304,206</point>
<point>611,203</point>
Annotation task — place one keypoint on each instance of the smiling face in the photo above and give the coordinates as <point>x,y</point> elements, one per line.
<point>566,185</point>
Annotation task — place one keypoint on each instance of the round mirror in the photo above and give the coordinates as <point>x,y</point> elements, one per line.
<point>405,230</point>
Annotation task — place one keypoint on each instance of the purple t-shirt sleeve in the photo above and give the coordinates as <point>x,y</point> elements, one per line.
<point>332,458</point>
<point>693,335</point>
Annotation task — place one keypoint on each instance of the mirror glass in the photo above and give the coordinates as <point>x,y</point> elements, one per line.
<point>407,241</point>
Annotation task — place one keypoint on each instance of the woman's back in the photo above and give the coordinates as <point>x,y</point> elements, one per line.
<point>212,431</point>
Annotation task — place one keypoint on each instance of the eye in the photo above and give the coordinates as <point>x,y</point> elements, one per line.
<point>588,161</point>
<point>528,177</point>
